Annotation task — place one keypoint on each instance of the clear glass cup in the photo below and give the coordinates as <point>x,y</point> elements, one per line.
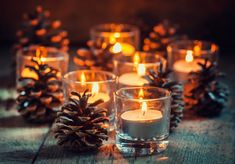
<point>184,55</point>
<point>142,119</point>
<point>132,69</point>
<point>51,56</point>
<point>123,37</point>
<point>100,84</point>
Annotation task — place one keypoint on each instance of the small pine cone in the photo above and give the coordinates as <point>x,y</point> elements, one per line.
<point>81,126</point>
<point>176,89</point>
<point>207,96</point>
<point>97,56</point>
<point>162,34</point>
<point>41,95</point>
<point>37,28</point>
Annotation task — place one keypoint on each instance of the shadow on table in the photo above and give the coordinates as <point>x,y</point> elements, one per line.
<point>105,153</point>
<point>16,122</point>
<point>13,156</point>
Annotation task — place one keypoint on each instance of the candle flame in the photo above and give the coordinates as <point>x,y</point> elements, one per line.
<point>95,88</point>
<point>141,70</point>
<point>141,94</point>
<point>144,108</point>
<point>189,56</point>
<point>117,48</point>
<point>83,78</point>
<point>117,35</point>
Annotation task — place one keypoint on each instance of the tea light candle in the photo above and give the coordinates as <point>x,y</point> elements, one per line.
<point>96,95</point>
<point>124,48</point>
<point>184,66</point>
<point>40,55</point>
<point>134,79</point>
<point>141,123</point>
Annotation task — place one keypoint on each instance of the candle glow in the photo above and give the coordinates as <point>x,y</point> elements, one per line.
<point>141,94</point>
<point>197,50</point>
<point>40,55</point>
<point>136,59</point>
<point>189,56</point>
<point>83,78</point>
<point>117,48</point>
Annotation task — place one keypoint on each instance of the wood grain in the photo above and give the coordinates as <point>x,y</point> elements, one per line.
<point>19,141</point>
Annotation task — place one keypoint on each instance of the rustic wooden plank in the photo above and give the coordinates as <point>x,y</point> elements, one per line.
<point>19,141</point>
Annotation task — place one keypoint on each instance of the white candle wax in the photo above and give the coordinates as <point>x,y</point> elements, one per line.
<point>132,79</point>
<point>137,125</point>
<point>182,68</point>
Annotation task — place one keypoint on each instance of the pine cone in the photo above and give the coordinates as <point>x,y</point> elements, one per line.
<point>208,96</point>
<point>39,96</point>
<point>81,126</point>
<point>177,103</point>
<point>38,29</point>
<point>97,56</point>
<point>162,34</point>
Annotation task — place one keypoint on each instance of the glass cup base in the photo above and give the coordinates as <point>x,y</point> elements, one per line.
<point>140,147</point>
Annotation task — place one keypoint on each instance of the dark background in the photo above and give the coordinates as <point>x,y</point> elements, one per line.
<point>201,19</point>
<point>212,20</point>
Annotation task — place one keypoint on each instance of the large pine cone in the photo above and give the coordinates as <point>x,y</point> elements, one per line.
<point>162,34</point>
<point>97,56</point>
<point>208,95</point>
<point>38,29</point>
<point>40,96</point>
<point>176,89</point>
<point>81,126</point>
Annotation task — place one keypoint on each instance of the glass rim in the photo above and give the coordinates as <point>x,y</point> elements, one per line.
<point>60,55</point>
<point>110,74</point>
<point>167,96</point>
<point>161,59</point>
<point>175,45</point>
<point>131,32</point>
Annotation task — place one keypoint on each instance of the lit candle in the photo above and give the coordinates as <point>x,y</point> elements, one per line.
<point>41,53</point>
<point>95,91</point>
<point>134,78</point>
<point>184,66</point>
<point>141,123</point>
<point>120,47</point>
<point>96,94</point>
<point>124,48</point>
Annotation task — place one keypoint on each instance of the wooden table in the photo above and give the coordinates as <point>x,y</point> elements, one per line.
<point>197,140</point>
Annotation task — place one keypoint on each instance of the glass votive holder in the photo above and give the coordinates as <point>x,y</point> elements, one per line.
<point>142,119</point>
<point>100,84</point>
<point>132,69</point>
<point>184,56</point>
<point>123,37</point>
<point>53,57</point>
